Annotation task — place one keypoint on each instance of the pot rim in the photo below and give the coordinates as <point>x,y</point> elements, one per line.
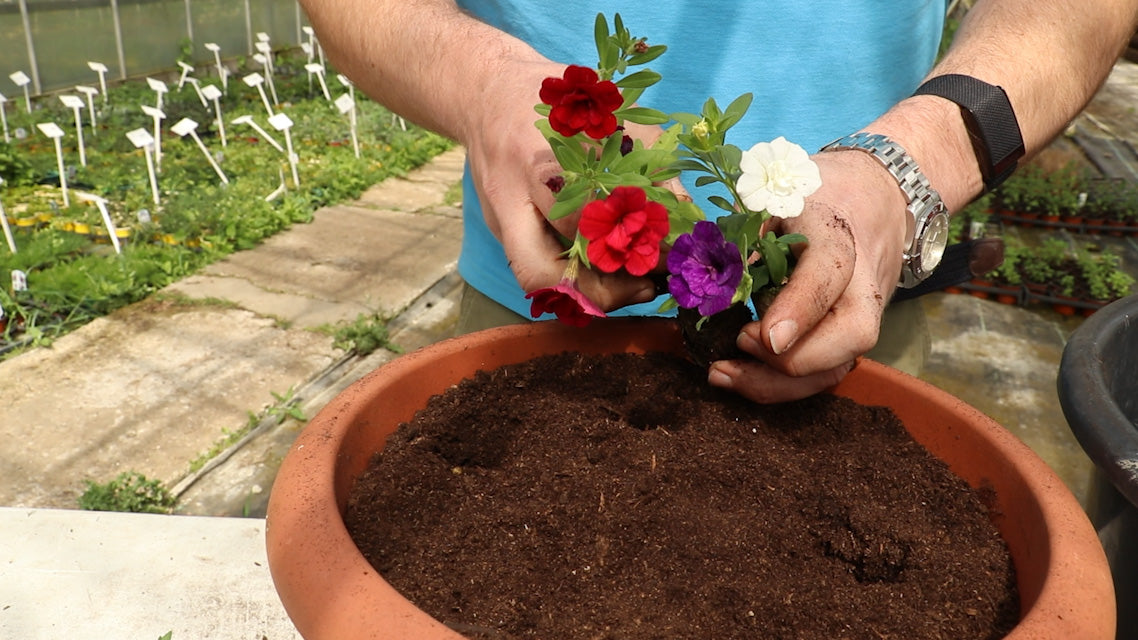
<point>1064,580</point>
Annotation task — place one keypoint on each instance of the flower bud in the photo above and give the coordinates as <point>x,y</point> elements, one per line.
<point>702,131</point>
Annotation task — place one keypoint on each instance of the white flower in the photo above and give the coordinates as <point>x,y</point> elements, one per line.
<point>777,176</point>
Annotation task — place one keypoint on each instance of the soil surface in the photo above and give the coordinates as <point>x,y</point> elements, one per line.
<point>577,497</point>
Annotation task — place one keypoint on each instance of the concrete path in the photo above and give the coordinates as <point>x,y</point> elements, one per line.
<point>156,385</point>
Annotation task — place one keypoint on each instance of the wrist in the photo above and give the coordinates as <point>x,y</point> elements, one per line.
<point>932,131</point>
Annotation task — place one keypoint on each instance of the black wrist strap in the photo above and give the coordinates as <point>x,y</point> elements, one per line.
<point>991,123</point>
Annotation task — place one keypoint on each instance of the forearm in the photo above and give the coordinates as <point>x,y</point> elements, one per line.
<point>426,60</point>
<point>1050,57</point>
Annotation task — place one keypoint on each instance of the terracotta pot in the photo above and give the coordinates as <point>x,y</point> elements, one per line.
<point>330,590</point>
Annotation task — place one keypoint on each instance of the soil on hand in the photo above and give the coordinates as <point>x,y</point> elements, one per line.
<point>620,497</point>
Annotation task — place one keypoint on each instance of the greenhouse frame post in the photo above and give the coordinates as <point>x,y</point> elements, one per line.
<point>30,42</point>
<point>189,22</point>
<point>118,38</point>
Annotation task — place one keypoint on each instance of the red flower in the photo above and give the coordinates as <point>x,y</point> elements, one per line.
<point>566,301</point>
<point>581,103</point>
<point>624,230</point>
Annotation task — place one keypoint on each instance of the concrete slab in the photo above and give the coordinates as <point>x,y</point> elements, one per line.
<point>352,256</point>
<point>291,309</point>
<point>148,388</point>
<point>1004,360</point>
<point>419,190</point>
<point>155,385</point>
<point>242,478</point>
<point>92,576</point>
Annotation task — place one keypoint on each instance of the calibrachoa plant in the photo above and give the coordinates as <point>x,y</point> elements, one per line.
<point>627,217</point>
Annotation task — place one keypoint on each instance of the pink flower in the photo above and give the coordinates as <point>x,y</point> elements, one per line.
<point>565,301</point>
<point>581,102</point>
<point>624,230</point>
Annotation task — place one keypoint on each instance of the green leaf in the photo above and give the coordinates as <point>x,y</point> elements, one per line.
<point>735,111</point>
<point>611,152</point>
<point>730,157</point>
<point>630,97</point>
<point>570,200</point>
<point>601,34</point>
<point>618,25</point>
<point>663,174</point>
<point>653,52</point>
<point>543,109</point>
<point>703,181</point>
<point>774,258</point>
<point>668,304</point>
<point>642,115</point>
<point>760,276</point>
<point>639,80</point>
<point>687,119</point>
<point>740,229</point>
<point>690,165</point>
<point>722,203</point>
<point>689,211</point>
<point>711,110</point>
<point>669,140</point>
<point>570,156</point>
<point>793,238</point>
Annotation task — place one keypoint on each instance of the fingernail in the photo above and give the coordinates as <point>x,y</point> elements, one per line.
<point>717,378</point>
<point>745,342</point>
<point>782,335</point>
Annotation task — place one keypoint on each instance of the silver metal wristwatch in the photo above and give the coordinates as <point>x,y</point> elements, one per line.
<point>927,236</point>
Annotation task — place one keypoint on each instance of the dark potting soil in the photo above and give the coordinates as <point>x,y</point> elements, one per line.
<point>621,497</point>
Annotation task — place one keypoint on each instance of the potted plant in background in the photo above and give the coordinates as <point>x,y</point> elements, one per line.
<point>1104,279</point>
<point>1007,278</point>
<point>331,591</point>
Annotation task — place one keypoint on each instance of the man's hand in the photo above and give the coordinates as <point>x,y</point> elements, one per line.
<point>829,312</point>
<point>511,164</point>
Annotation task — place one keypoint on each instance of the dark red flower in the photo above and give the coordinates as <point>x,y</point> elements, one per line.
<point>624,230</point>
<point>565,301</point>
<point>555,184</point>
<point>581,102</point>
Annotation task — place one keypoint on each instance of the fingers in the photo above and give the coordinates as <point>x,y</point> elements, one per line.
<point>535,255</point>
<point>823,274</point>
<point>762,383</point>
<point>615,290</point>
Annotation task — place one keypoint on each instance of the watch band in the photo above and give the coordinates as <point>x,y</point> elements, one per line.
<point>990,120</point>
<point>926,211</point>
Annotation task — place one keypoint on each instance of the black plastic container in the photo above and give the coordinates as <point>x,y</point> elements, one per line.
<point>1098,390</point>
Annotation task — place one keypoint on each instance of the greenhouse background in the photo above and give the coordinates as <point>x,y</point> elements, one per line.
<point>53,41</point>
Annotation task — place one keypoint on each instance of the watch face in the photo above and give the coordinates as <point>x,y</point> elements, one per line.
<point>933,241</point>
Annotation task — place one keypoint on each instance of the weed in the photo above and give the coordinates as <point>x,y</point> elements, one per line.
<point>284,407</point>
<point>130,491</point>
<point>364,335</point>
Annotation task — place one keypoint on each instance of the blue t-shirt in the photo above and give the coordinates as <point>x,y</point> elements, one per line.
<point>818,70</point>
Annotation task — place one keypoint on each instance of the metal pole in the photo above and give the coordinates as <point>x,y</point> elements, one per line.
<point>118,39</point>
<point>189,24</point>
<point>31,46</point>
<point>299,21</point>
<point>248,29</point>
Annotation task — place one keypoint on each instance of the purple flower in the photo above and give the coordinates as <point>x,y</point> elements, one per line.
<point>705,268</point>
